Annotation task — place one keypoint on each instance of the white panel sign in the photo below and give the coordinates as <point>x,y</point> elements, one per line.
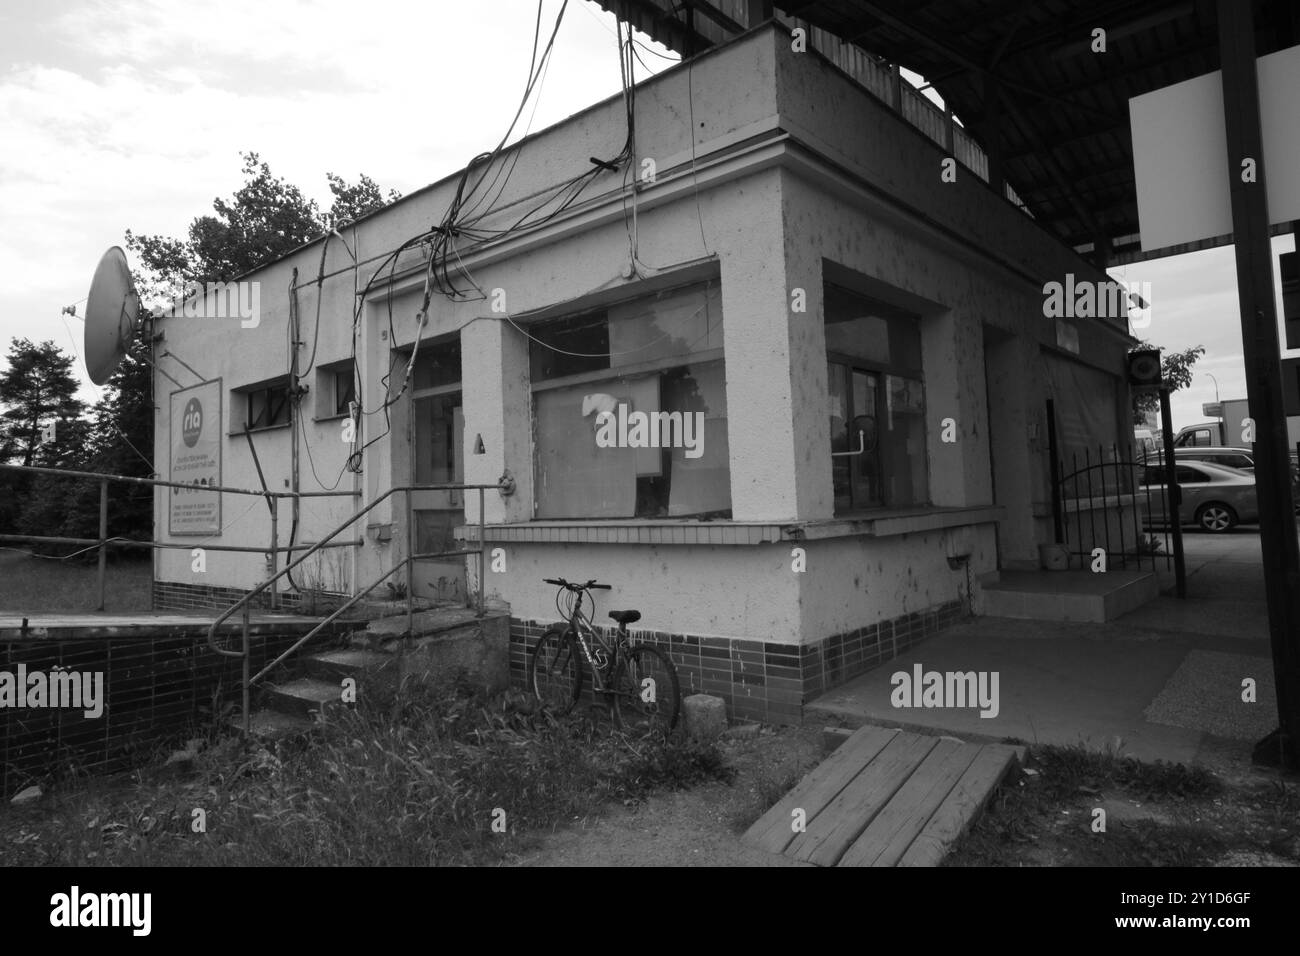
<point>1180,153</point>
<point>195,460</point>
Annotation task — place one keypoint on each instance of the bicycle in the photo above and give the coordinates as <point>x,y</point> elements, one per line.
<point>639,682</point>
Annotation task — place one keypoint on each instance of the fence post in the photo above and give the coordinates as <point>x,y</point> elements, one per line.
<point>1054,470</point>
<point>410,565</point>
<point>103,539</point>
<point>247,689</point>
<point>275,552</point>
<point>1174,497</point>
<point>482,552</point>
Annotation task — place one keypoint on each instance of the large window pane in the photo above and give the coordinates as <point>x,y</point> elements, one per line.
<point>673,324</point>
<point>877,402</point>
<point>662,452</point>
<point>575,477</point>
<point>902,443</point>
<point>878,334</point>
<point>436,364</point>
<point>569,346</point>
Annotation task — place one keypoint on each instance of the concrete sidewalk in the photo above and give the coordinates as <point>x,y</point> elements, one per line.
<point>1163,682</point>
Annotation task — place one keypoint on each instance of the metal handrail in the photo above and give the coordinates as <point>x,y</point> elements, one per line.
<point>160,483</point>
<point>329,620</point>
<point>104,542</point>
<point>245,602</point>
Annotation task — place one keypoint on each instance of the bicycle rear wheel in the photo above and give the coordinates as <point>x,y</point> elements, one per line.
<point>647,695</point>
<point>555,670</point>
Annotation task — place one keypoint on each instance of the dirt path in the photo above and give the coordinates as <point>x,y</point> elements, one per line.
<point>699,827</point>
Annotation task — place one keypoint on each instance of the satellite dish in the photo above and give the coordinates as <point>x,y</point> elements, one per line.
<point>111,310</point>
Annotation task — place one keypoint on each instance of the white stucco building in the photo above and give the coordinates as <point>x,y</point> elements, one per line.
<point>861,344</point>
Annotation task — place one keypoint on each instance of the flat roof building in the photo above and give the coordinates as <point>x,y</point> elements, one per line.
<point>780,379</point>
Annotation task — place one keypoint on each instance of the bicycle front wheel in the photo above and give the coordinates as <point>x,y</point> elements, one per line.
<point>555,670</point>
<point>646,693</point>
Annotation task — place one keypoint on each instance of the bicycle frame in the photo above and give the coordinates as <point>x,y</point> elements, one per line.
<point>582,629</point>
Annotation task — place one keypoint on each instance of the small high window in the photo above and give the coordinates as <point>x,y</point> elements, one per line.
<point>265,405</point>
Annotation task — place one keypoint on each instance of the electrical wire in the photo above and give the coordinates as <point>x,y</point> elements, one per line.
<point>709,327</point>
<point>478,190</point>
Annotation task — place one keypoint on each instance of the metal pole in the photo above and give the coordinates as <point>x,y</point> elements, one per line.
<point>275,553</point>
<point>482,549</point>
<point>1173,495</point>
<point>247,687</point>
<point>410,565</point>
<point>1250,229</point>
<point>1055,470</point>
<point>103,539</point>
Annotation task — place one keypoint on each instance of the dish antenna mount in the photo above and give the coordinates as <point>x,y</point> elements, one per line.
<point>113,318</point>
<point>112,315</point>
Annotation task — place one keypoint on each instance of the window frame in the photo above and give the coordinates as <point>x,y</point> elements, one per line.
<point>245,394</point>
<point>709,286</point>
<point>883,373</point>
<point>327,378</point>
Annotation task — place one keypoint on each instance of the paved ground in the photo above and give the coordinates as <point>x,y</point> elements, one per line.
<point>1163,682</point>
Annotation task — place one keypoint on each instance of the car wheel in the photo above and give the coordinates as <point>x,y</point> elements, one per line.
<point>1216,517</point>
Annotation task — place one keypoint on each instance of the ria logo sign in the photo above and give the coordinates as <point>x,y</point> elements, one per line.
<point>192,423</point>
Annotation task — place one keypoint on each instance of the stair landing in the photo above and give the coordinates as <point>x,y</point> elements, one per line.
<point>1085,596</point>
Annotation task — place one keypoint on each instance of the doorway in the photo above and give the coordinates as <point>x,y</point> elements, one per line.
<point>437,443</point>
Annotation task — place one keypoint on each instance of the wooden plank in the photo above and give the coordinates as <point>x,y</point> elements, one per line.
<point>845,817</point>
<point>773,832</point>
<point>961,807</point>
<point>888,836</point>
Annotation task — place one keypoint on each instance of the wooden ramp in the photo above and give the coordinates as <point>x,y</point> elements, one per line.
<point>885,798</point>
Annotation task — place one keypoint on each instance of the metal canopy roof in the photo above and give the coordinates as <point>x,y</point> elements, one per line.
<point>1050,114</point>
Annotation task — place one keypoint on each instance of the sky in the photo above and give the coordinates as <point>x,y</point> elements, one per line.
<point>133,113</point>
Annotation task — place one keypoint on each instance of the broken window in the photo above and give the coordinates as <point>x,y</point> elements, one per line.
<point>630,410</point>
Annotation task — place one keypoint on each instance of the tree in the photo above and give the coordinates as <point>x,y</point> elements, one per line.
<point>1175,369</point>
<point>265,219</point>
<point>351,202</point>
<point>37,389</point>
<point>120,442</point>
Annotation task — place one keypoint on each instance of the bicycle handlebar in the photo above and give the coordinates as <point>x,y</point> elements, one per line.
<point>592,585</point>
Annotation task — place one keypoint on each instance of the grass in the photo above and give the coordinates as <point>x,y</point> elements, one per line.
<point>455,777</point>
<point>32,585</point>
<point>1172,815</point>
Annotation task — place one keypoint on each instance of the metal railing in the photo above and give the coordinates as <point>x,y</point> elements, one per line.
<point>104,541</point>
<point>407,563</point>
<point>1102,502</point>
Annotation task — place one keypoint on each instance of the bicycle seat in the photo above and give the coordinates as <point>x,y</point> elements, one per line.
<point>625,617</point>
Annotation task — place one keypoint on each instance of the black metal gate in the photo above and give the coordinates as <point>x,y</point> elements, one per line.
<point>1103,501</point>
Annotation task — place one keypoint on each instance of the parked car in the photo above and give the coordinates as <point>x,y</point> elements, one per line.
<point>1214,497</point>
<point>1240,458</point>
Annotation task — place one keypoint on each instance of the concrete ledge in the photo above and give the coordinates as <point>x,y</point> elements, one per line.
<point>880,525</point>
<point>1081,596</point>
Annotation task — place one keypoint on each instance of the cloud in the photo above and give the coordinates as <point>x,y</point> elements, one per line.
<point>132,114</point>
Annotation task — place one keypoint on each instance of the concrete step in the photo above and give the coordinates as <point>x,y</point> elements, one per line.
<point>335,665</point>
<point>304,697</point>
<point>433,623</point>
<point>273,725</point>
<point>1081,596</point>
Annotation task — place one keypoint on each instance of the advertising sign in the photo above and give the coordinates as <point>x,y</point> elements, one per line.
<point>195,460</point>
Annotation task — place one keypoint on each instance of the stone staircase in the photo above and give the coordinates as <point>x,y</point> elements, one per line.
<point>444,643</point>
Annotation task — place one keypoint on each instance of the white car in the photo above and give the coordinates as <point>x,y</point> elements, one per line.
<point>1214,497</point>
